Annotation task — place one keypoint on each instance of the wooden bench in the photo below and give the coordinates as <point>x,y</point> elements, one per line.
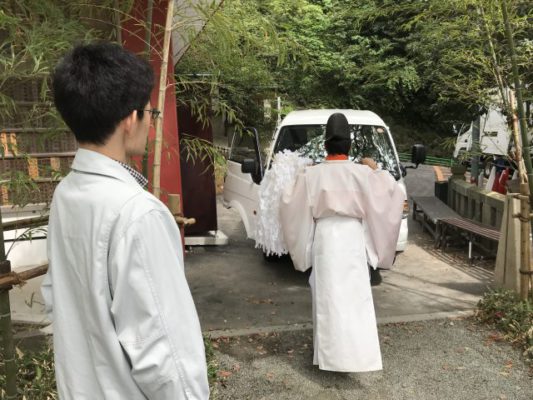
<point>431,210</point>
<point>473,231</point>
<point>441,221</point>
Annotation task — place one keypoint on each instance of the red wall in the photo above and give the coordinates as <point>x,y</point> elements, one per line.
<point>133,38</point>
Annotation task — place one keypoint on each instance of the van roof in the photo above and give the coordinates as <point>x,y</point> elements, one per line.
<point>320,117</point>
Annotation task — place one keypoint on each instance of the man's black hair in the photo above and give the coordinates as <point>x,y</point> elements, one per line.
<point>98,85</point>
<point>338,146</point>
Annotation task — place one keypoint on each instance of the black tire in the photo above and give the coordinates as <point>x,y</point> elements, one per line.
<point>375,276</point>
<point>271,258</point>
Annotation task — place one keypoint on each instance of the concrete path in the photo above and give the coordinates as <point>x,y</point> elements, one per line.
<point>236,291</point>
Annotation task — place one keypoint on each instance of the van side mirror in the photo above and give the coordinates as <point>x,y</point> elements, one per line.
<point>248,166</point>
<point>418,154</point>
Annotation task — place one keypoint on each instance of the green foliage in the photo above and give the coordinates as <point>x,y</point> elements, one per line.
<point>196,149</point>
<point>34,34</point>
<point>21,187</point>
<point>422,63</point>
<point>212,364</point>
<point>510,315</point>
<point>36,375</point>
<point>227,70</point>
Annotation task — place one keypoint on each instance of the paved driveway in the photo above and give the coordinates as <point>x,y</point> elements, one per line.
<point>236,290</point>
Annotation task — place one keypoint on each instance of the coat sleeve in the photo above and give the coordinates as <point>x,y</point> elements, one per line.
<point>153,311</point>
<point>46,292</point>
<point>297,222</point>
<point>384,200</point>
<point>46,286</point>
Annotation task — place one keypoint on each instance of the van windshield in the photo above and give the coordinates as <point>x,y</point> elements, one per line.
<point>367,141</point>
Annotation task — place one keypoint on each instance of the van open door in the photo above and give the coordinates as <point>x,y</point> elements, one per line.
<point>244,172</point>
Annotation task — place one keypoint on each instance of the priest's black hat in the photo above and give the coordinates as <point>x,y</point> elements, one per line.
<point>337,127</point>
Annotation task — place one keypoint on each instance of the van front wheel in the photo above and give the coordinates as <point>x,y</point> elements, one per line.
<point>271,258</point>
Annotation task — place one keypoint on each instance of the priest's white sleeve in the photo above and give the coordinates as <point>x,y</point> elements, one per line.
<point>297,222</point>
<point>383,213</point>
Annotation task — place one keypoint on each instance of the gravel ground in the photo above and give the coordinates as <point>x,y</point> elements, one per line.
<point>439,359</point>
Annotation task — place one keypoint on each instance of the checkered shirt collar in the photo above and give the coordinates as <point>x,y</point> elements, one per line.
<point>141,180</point>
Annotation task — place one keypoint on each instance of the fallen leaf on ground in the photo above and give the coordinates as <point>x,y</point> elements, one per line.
<point>224,374</point>
<point>259,301</point>
<point>496,337</point>
<point>261,350</point>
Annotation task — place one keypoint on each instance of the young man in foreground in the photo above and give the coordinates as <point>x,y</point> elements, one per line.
<point>125,325</point>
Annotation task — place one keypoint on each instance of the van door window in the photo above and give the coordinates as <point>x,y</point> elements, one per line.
<point>243,146</point>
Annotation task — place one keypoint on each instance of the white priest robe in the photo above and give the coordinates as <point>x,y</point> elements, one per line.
<point>322,216</point>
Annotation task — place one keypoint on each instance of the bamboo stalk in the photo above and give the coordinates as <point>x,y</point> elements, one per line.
<point>496,65</point>
<point>25,223</point>
<point>525,269</point>
<point>161,102</point>
<point>8,347</point>
<point>524,215</point>
<point>118,26</point>
<point>20,278</point>
<point>148,32</point>
<point>518,90</point>
<point>147,41</point>
<point>525,229</point>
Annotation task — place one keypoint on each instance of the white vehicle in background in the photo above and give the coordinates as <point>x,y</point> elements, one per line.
<point>494,138</point>
<point>304,131</point>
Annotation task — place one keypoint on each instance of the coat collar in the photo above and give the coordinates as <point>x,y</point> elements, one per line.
<point>92,162</point>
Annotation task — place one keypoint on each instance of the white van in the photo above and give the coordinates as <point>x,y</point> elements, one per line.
<point>494,135</point>
<point>304,131</point>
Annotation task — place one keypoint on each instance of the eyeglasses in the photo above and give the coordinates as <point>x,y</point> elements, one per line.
<point>154,112</point>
